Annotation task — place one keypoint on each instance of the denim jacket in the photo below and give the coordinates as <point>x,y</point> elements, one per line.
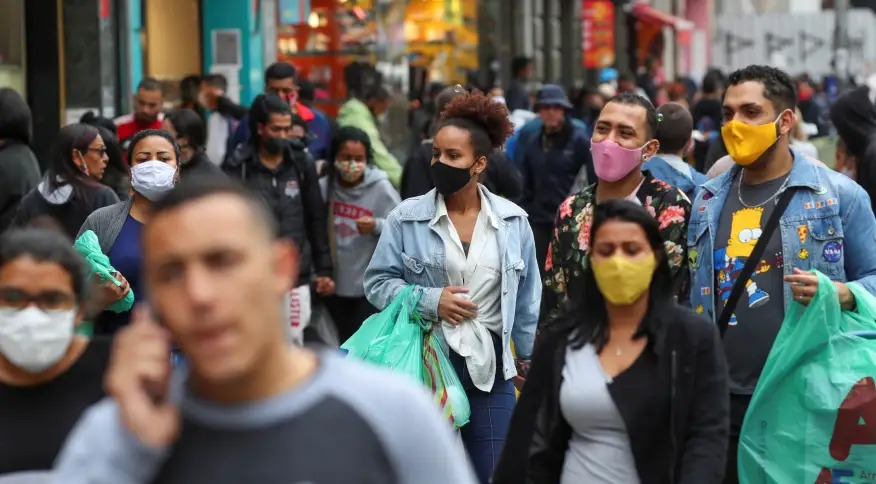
<point>412,252</point>
<point>662,170</point>
<point>828,226</point>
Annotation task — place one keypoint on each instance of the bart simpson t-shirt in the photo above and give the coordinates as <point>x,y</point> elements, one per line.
<point>758,315</point>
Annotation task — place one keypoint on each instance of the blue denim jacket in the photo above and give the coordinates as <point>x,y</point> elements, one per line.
<point>828,226</point>
<point>412,252</point>
<point>662,170</point>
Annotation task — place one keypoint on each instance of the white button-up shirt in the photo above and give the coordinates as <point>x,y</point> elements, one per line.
<point>480,272</point>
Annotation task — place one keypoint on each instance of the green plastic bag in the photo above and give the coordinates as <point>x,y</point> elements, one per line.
<point>392,338</point>
<point>397,338</point>
<point>812,418</point>
<point>442,379</point>
<point>89,247</point>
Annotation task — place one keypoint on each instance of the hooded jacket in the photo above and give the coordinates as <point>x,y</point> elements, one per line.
<point>67,206</point>
<point>351,251</point>
<point>19,174</point>
<point>355,113</point>
<point>292,194</point>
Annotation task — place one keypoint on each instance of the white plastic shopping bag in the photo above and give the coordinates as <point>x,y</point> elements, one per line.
<point>297,310</point>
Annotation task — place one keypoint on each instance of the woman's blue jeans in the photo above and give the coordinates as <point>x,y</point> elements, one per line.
<point>484,435</point>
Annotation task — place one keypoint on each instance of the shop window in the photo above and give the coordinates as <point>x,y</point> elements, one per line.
<point>12,45</point>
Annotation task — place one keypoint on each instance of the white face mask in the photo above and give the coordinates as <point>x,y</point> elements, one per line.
<point>153,179</point>
<point>33,339</point>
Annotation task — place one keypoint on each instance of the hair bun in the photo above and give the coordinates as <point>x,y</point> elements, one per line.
<point>480,109</point>
<point>88,118</point>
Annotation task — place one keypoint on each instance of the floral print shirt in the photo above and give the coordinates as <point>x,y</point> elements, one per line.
<point>570,244</point>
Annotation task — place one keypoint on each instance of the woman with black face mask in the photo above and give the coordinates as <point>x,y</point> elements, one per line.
<point>470,255</point>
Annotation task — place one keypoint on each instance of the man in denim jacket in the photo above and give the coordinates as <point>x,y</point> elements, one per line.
<point>828,226</point>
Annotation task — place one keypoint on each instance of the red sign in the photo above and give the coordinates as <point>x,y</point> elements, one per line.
<point>104,9</point>
<point>855,425</point>
<point>597,33</point>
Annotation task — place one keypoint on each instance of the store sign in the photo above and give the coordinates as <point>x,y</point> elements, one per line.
<point>597,33</point>
<point>294,12</point>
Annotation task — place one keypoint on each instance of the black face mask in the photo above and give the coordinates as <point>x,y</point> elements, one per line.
<point>448,179</point>
<point>275,146</point>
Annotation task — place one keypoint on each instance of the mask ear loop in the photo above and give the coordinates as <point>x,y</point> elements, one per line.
<point>779,133</point>
<point>84,166</point>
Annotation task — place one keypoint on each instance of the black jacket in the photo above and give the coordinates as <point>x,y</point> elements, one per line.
<point>549,164</point>
<point>200,165</point>
<point>19,174</point>
<point>502,178</point>
<point>292,194</point>
<point>689,359</point>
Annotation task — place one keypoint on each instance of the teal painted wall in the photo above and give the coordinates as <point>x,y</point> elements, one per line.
<point>240,15</point>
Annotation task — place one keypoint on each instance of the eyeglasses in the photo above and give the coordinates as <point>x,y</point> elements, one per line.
<point>47,300</point>
<point>102,150</point>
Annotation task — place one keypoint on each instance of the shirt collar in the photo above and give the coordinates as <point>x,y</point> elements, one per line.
<point>486,209</point>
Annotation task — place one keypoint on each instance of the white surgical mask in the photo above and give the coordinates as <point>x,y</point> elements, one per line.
<point>153,179</point>
<point>33,339</point>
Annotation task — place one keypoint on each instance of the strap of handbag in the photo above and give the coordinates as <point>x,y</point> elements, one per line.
<point>754,259</point>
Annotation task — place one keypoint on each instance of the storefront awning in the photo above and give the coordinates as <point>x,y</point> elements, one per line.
<point>646,13</point>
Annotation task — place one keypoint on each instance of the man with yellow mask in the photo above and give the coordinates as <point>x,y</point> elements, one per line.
<point>758,229</point>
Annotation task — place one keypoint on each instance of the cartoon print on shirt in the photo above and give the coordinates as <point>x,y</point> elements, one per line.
<point>745,230</point>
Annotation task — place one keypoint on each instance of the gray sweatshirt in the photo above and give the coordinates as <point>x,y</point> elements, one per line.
<point>350,423</point>
<point>352,251</point>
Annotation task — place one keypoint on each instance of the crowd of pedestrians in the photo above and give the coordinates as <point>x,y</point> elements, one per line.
<point>606,306</point>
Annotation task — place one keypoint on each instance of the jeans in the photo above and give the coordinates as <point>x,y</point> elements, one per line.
<point>484,435</point>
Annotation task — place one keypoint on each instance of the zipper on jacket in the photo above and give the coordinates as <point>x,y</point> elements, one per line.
<point>672,392</point>
<point>274,181</point>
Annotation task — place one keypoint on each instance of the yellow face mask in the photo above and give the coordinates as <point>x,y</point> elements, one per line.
<point>622,280</point>
<point>747,142</point>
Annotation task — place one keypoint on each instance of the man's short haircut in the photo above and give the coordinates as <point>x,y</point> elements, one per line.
<point>519,63</point>
<point>216,80</point>
<point>192,189</point>
<point>633,99</point>
<point>777,85</point>
<point>712,82</point>
<point>306,91</point>
<point>626,77</point>
<point>376,93</point>
<point>280,70</point>
<point>674,129</point>
<point>150,84</point>
<point>45,245</point>
<point>263,106</point>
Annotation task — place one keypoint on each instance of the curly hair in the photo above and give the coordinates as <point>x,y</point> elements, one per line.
<point>486,121</point>
<point>777,85</point>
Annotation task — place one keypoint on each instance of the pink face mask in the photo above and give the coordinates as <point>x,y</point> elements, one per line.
<point>612,161</point>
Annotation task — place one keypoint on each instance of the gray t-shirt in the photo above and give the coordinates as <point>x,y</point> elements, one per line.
<point>348,423</point>
<point>599,450</point>
<point>759,313</point>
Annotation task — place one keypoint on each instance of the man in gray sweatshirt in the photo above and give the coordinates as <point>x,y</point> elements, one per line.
<point>248,409</point>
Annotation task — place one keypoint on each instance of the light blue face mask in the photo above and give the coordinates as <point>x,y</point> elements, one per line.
<point>153,179</point>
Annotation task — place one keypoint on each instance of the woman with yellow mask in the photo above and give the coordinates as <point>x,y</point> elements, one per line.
<point>629,388</point>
